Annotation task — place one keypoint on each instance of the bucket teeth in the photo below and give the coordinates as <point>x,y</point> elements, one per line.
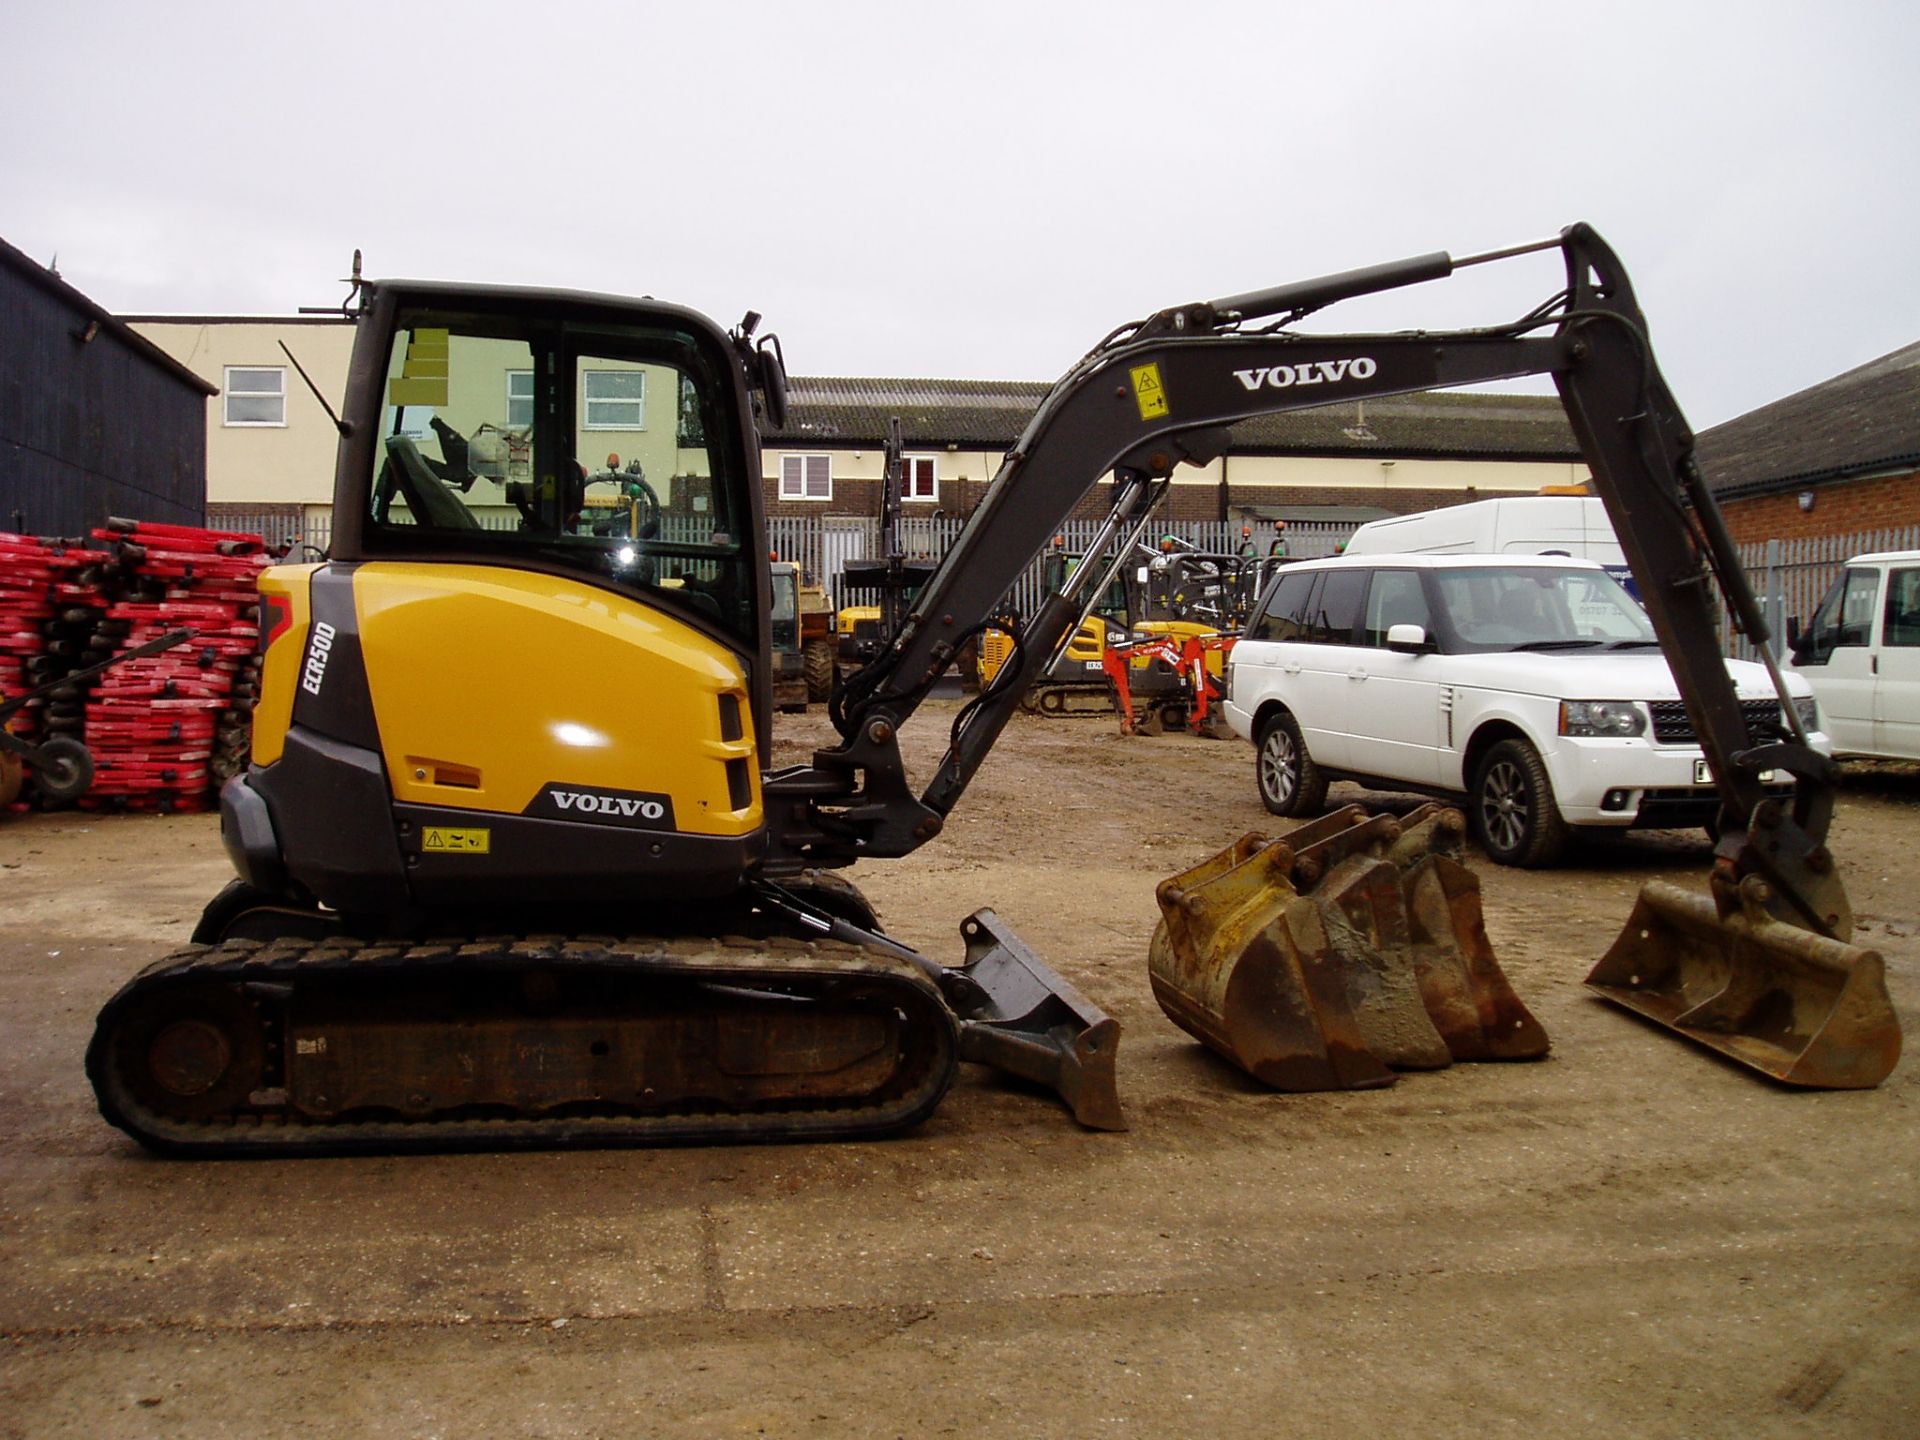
<point>1348,949</point>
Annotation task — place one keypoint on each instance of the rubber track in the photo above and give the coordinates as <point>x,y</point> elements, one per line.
<point>788,966</point>
<point>1099,701</point>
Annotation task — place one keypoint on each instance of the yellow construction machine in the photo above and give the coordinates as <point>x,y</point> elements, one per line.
<point>514,865</point>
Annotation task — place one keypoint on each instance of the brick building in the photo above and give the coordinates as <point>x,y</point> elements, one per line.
<point>1840,457</point>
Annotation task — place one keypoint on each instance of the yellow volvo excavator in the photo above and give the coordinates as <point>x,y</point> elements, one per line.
<point>513,866</point>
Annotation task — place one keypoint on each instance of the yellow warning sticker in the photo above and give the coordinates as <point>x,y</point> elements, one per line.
<point>1147,391</point>
<point>457,842</point>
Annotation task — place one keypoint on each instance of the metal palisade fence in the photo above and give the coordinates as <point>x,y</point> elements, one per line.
<point>1788,576</point>
<point>821,545</point>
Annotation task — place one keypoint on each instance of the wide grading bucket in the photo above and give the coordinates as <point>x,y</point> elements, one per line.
<point>1806,1009</point>
<point>1332,957</point>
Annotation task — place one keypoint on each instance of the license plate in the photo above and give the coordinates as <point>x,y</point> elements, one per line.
<point>1703,774</point>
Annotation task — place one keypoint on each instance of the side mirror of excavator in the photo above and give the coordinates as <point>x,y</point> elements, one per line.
<point>772,365</point>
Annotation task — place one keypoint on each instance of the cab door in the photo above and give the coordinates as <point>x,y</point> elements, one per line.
<point>1837,655</point>
<point>1896,690</point>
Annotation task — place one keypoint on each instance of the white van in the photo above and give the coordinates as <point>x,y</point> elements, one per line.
<point>1861,654</point>
<point>1574,525</point>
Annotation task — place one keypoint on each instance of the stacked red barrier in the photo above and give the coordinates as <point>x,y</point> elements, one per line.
<point>48,603</point>
<point>26,604</point>
<point>167,729</point>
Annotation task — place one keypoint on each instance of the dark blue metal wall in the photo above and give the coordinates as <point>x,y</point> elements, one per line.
<point>90,428</point>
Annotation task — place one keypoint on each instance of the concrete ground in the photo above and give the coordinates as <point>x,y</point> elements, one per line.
<point>1631,1237</point>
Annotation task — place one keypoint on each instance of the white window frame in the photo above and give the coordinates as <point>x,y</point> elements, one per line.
<point>513,399</point>
<point>798,474</point>
<point>910,480</point>
<point>229,392</point>
<point>588,401</point>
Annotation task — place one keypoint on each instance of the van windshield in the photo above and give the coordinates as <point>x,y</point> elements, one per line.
<point>1539,608</point>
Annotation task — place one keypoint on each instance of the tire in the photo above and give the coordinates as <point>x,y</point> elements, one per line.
<point>1515,816</point>
<point>817,657</point>
<point>62,769</point>
<point>1290,783</point>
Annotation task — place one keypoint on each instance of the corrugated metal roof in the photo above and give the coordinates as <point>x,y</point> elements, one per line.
<point>989,415</point>
<point>1865,420</point>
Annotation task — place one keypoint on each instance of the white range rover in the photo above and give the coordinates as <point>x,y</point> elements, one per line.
<point>1534,687</point>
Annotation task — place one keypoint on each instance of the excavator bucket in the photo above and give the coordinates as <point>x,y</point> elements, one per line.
<point>1803,1008</point>
<point>1349,949</point>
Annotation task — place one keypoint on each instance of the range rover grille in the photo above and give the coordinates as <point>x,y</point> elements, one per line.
<point>1671,725</point>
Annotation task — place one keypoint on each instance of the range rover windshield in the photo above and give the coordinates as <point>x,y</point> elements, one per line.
<point>599,448</point>
<point>1511,607</point>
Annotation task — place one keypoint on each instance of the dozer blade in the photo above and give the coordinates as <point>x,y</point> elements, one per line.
<point>1019,1015</point>
<point>1328,959</point>
<point>1803,1008</point>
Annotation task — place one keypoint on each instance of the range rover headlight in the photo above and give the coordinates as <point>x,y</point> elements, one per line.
<point>1615,718</point>
<point>1808,709</point>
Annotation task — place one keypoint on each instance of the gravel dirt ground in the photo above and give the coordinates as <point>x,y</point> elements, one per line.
<point>1631,1237</point>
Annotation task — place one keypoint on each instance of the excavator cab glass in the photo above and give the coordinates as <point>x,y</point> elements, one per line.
<point>509,438</point>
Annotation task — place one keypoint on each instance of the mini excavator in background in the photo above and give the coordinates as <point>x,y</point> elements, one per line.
<point>513,866</point>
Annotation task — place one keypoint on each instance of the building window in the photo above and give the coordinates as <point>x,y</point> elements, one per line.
<point>616,399</point>
<point>806,477</point>
<point>256,395</point>
<point>519,399</point>
<point>920,478</point>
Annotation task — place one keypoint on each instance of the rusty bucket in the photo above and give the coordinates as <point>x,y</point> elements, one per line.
<point>1806,1009</point>
<point>1328,959</point>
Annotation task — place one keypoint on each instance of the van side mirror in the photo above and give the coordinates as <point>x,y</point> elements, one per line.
<point>1406,639</point>
<point>1793,632</point>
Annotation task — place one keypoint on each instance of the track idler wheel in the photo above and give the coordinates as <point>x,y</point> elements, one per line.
<point>196,1053</point>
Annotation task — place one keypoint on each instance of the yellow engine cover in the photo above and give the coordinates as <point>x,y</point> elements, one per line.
<point>489,684</point>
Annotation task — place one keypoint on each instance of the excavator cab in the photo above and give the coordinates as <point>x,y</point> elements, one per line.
<point>623,643</point>
<point>671,526</point>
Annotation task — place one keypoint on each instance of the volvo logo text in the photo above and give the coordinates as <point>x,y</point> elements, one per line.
<point>629,809</point>
<point>608,804</point>
<point>1317,372</point>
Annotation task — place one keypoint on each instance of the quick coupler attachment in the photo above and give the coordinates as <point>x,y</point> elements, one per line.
<point>1805,1009</point>
<point>1350,948</point>
<point>1018,1015</point>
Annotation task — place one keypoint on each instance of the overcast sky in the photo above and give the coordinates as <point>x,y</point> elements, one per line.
<point>983,190</point>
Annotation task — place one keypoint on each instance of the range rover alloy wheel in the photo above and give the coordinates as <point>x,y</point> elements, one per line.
<point>1290,782</point>
<point>1514,812</point>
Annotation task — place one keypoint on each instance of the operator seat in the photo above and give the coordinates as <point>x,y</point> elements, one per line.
<point>432,504</point>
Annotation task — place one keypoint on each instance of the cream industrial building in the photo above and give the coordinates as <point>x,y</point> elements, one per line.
<point>270,443</point>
